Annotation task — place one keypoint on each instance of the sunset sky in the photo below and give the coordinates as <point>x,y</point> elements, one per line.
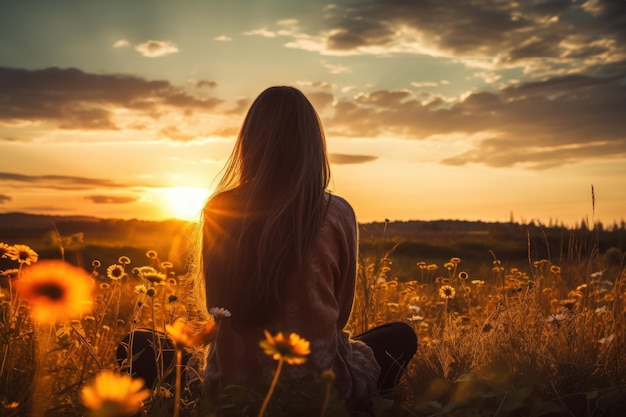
<point>468,110</point>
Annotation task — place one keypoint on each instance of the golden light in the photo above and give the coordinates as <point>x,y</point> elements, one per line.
<point>185,202</point>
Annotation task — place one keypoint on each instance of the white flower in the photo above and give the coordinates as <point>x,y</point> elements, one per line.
<point>414,308</point>
<point>415,317</point>
<point>219,312</point>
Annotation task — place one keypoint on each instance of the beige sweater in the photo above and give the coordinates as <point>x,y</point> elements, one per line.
<point>318,306</point>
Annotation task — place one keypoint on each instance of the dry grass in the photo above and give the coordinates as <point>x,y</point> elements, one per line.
<point>548,341</point>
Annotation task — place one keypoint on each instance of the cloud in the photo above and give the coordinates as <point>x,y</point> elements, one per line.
<point>122,43</point>
<point>57,182</point>
<point>5,198</point>
<point>487,33</point>
<point>155,49</point>
<point>73,99</point>
<point>206,83</point>
<point>223,38</point>
<point>345,159</point>
<point>540,124</point>
<point>112,199</point>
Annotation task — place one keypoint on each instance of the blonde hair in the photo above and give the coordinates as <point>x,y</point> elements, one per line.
<point>268,207</point>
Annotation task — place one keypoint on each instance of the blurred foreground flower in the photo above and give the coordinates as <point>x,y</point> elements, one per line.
<point>112,394</point>
<point>55,290</point>
<point>180,334</point>
<point>292,350</point>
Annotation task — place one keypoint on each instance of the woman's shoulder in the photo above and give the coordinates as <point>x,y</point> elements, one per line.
<point>339,210</point>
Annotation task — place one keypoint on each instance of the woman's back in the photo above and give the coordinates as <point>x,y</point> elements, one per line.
<point>318,300</point>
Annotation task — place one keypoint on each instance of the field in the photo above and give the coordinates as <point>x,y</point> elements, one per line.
<point>512,319</point>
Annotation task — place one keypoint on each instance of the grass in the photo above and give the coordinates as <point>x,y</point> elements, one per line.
<point>543,337</point>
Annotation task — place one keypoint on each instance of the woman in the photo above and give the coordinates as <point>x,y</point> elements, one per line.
<point>280,253</point>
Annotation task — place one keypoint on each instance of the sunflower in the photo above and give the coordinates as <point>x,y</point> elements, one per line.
<point>55,290</point>
<point>447,291</point>
<point>22,253</point>
<point>115,272</point>
<point>292,350</point>
<point>114,394</point>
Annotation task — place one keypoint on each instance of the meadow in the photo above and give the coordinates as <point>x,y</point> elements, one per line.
<point>512,320</point>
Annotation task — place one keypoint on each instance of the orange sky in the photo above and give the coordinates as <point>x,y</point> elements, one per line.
<point>473,112</point>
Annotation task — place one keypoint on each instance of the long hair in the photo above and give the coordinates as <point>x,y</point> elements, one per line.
<point>267,208</point>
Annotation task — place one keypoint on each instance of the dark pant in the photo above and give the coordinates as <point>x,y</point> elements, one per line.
<point>153,356</point>
<point>394,344</point>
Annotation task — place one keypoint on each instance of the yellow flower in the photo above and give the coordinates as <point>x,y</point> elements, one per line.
<point>115,272</point>
<point>292,350</point>
<point>55,290</point>
<point>447,291</point>
<point>115,395</point>
<point>23,254</point>
<point>4,250</point>
<point>10,273</point>
<point>180,334</point>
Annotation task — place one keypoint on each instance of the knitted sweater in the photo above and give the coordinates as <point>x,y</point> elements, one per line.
<point>317,307</point>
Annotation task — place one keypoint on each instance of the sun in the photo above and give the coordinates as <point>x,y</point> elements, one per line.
<point>185,202</point>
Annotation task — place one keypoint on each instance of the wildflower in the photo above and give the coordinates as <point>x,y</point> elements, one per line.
<point>556,318</point>
<point>22,253</point>
<point>555,269</point>
<point>179,333</point>
<point>432,267</point>
<point>55,289</point>
<point>140,289</point>
<point>115,272</point>
<point>154,277</point>
<point>421,265</point>
<point>104,286</point>
<point>393,305</point>
<point>151,254</point>
<point>113,394</point>
<point>172,281</point>
<point>478,282</point>
<point>172,298</point>
<point>219,312</point>
<point>455,260</point>
<point>292,350</point>
<point>95,263</point>
<point>447,291</point>
<point>10,273</point>
<point>463,275</point>
<point>124,260</point>
<point>4,249</point>
<point>415,317</point>
<point>328,376</point>
<point>449,265</point>
<point>414,308</point>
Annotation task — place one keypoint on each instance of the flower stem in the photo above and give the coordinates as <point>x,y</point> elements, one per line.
<point>326,398</point>
<point>179,363</point>
<point>272,387</point>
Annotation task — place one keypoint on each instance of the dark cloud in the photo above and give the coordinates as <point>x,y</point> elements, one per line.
<point>539,124</point>
<point>345,159</point>
<point>73,99</point>
<point>501,29</point>
<point>112,199</point>
<point>4,198</point>
<point>58,182</point>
